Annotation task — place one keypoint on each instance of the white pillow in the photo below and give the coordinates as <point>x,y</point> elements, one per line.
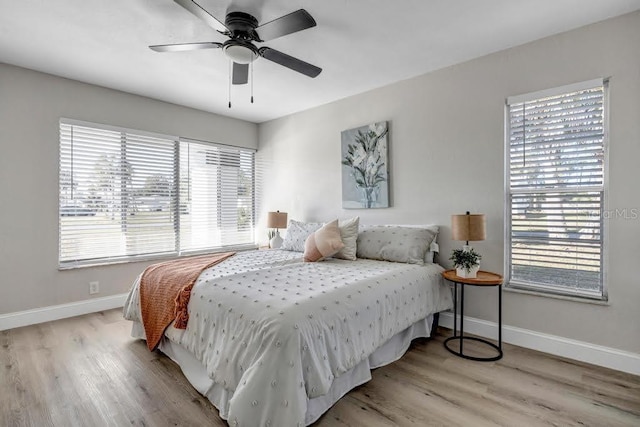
<point>297,234</point>
<point>349,233</point>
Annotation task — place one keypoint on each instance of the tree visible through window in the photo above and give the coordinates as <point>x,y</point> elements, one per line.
<point>555,191</point>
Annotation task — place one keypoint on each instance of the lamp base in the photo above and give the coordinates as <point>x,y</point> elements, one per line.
<point>276,242</point>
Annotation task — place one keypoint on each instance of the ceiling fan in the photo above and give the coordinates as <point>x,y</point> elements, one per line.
<point>243,30</point>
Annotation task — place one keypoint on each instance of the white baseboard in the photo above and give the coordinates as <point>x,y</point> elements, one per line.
<point>578,350</point>
<point>55,312</point>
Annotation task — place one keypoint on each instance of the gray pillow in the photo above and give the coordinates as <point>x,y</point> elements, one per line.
<point>394,243</point>
<point>297,233</point>
<point>433,247</point>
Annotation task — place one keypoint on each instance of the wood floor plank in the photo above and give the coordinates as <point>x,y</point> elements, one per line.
<point>88,371</point>
<point>350,411</point>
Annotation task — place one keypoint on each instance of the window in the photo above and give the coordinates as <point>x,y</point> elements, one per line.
<point>556,190</point>
<point>128,195</point>
<point>216,196</point>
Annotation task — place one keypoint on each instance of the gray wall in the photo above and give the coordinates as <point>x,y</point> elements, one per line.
<point>31,105</point>
<point>446,152</point>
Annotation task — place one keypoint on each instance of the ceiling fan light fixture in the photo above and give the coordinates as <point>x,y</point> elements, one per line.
<point>240,54</point>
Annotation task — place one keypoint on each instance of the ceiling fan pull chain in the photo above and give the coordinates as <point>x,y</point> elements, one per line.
<point>230,71</point>
<point>252,82</point>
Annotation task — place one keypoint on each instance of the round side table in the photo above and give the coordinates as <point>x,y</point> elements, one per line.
<point>484,278</point>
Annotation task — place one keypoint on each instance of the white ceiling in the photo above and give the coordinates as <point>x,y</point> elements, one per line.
<point>360,44</point>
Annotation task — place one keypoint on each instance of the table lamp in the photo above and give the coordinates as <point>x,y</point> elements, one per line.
<point>468,227</point>
<point>276,220</point>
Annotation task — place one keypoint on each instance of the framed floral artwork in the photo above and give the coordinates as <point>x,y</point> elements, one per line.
<point>365,167</point>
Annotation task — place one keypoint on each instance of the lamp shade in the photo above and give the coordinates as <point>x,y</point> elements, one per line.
<point>277,219</point>
<point>468,227</point>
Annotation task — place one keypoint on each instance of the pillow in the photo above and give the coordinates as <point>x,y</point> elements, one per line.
<point>395,243</point>
<point>297,233</point>
<point>323,243</point>
<point>349,234</point>
<point>433,246</point>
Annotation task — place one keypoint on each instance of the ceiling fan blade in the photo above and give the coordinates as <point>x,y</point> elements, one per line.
<point>290,62</point>
<point>201,13</point>
<point>291,23</point>
<point>240,74</point>
<point>185,46</point>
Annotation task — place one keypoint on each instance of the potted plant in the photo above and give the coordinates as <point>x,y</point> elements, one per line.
<point>271,234</point>
<point>467,262</point>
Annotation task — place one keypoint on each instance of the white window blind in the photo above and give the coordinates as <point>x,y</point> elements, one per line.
<point>555,190</point>
<point>128,195</point>
<point>216,197</point>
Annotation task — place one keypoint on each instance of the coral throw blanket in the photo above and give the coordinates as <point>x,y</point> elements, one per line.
<point>165,289</point>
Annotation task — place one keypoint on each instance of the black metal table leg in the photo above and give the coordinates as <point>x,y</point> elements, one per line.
<point>455,308</point>
<point>461,317</point>
<point>500,319</point>
<point>461,338</point>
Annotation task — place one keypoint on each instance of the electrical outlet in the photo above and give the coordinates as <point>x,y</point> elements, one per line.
<point>94,288</point>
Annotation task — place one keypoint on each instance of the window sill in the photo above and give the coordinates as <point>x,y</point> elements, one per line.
<point>603,302</point>
<point>159,257</point>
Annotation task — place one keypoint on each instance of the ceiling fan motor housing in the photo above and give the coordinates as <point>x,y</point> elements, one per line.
<point>242,31</point>
<point>241,26</point>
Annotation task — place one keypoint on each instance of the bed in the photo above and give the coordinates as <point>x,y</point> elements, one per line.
<point>274,341</point>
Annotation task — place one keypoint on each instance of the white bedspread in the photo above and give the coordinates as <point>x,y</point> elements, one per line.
<point>275,331</point>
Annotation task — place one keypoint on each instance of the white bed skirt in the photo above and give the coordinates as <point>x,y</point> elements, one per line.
<point>389,352</point>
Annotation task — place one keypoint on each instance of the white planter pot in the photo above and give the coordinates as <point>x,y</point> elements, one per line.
<point>468,274</point>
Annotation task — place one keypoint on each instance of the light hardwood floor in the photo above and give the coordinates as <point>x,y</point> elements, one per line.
<point>87,371</point>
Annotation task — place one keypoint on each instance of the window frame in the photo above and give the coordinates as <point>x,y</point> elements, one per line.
<point>177,252</point>
<point>542,289</point>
